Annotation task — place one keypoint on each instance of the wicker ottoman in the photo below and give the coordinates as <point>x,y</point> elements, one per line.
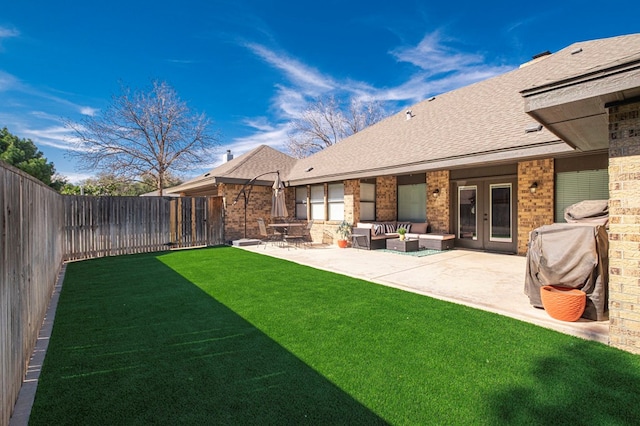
<point>437,241</point>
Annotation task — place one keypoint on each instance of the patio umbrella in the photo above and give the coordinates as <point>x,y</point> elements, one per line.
<point>278,205</point>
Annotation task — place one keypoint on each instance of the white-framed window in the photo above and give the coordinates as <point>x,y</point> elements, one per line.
<point>367,201</point>
<point>316,201</point>
<point>335,201</point>
<point>301,202</point>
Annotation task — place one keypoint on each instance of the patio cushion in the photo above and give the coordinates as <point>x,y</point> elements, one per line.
<point>419,228</point>
<point>438,236</point>
<point>405,225</point>
<point>365,225</point>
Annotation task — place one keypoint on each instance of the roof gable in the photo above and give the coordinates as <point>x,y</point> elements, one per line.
<point>241,169</point>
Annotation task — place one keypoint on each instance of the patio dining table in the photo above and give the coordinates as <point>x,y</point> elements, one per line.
<point>283,227</point>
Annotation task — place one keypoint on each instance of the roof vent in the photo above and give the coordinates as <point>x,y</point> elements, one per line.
<point>541,55</point>
<point>576,51</point>
<point>536,58</point>
<point>409,114</point>
<point>536,127</point>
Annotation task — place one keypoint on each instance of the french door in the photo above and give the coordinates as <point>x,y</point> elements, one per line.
<point>486,215</point>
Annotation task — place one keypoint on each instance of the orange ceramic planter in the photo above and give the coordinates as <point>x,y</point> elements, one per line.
<point>562,303</point>
<point>342,243</point>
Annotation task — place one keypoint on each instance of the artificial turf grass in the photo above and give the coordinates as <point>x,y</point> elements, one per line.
<point>134,343</point>
<point>320,344</point>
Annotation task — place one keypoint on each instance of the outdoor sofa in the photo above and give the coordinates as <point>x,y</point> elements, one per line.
<point>374,235</point>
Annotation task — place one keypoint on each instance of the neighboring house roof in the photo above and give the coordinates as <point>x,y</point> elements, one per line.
<point>481,123</point>
<point>156,193</point>
<point>258,161</point>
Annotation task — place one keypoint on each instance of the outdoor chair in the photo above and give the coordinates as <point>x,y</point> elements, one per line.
<point>303,236</point>
<point>265,237</point>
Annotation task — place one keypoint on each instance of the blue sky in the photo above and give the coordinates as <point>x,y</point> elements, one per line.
<point>251,65</point>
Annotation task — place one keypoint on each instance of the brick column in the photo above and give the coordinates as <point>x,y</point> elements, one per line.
<point>535,209</point>
<point>352,201</point>
<point>386,198</point>
<point>624,227</point>
<point>438,208</point>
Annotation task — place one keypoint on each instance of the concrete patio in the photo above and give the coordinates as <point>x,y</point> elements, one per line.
<point>487,281</point>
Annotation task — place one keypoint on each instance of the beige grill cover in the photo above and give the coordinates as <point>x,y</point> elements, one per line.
<point>570,255</point>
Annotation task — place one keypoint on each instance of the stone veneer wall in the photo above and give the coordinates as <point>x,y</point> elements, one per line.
<point>624,227</point>
<point>386,198</point>
<point>438,208</point>
<point>536,209</point>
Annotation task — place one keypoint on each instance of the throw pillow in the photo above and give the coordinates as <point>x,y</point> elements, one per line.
<point>419,228</point>
<point>406,226</point>
<point>390,227</point>
<point>378,229</point>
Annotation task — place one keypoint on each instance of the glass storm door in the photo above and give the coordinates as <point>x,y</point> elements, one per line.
<point>485,217</point>
<point>467,218</point>
<point>500,205</point>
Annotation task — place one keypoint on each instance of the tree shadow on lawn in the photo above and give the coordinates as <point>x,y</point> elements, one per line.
<point>134,342</point>
<point>584,383</point>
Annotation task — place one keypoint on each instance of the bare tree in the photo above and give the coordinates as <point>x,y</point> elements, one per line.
<point>143,135</point>
<point>324,123</point>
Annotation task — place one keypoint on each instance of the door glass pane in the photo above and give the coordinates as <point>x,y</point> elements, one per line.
<point>467,212</point>
<point>500,205</point>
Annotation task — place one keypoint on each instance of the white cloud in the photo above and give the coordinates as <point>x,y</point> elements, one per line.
<point>439,68</point>
<point>8,82</point>
<point>259,123</point>
<point>288,102</point>
<point>274,137</point>
<point>85,110</point>
<point>306,78</point>
<point>76,178</point>
<point>6,33</point>
<point>59,137</point>
<point>433,57</point>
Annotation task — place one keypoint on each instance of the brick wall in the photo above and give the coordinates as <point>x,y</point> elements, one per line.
<point>352,201</point>
<point>386,198</point>
<point>536,209</point>
<point>258,206</point>
<point>624,227</point>
<point>438,208</point>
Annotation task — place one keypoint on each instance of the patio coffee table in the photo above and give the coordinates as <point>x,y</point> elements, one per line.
<point>410,244</point>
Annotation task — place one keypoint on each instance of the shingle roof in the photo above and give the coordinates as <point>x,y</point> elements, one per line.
<point>262,159</point>
<point>479,123</point>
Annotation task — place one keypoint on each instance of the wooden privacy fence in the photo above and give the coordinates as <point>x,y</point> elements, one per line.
<point>40,228</point>
<point>31,223</point>
<point>109,226</point>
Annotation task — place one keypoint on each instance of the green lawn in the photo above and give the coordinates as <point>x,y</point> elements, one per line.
<point>225,336</point>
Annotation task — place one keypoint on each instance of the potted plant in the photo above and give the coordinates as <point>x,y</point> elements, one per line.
<point>343,231</point>
<point>402,231</point>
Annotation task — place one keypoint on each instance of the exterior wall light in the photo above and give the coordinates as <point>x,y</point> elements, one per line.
<point>534,187</point>
<point>435,193</point>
